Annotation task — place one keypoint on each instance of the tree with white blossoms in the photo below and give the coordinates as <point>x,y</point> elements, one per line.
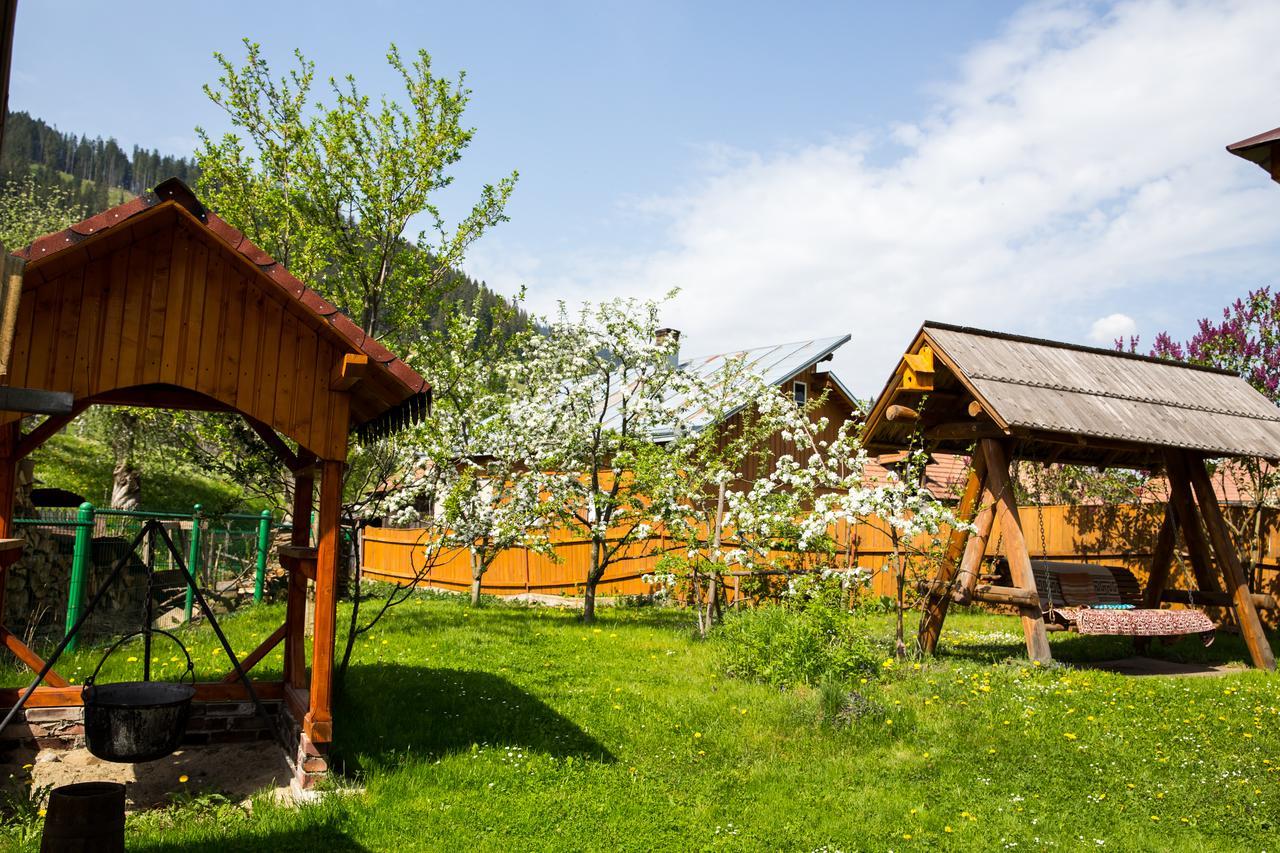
<point>801,502</point>
<point>600,382</point>
<point>468,473</point>
<point>731,413</point>
<point>913,519</point>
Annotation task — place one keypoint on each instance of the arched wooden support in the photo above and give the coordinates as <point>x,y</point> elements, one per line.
<point>1233,573</point>
<point>938,597</point>
<point>998,477</point>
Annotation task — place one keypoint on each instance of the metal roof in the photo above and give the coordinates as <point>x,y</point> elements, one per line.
<point>777,363</point>
<point>1258,149</point>
<point>1041,390</point>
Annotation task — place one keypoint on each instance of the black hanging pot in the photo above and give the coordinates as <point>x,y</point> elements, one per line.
<point>132,721</point>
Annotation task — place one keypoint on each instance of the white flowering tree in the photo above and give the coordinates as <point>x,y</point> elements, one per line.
<point>600,383</point>
<point>466,469</point>
<point>914,521</point>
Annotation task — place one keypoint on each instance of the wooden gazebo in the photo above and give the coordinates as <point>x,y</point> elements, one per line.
<point>1002,397</point>
<point>159,303</point>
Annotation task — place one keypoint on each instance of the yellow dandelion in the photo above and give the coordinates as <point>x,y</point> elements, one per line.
<point>131,659</point>
<point>183,778</point>
<point>1072,736</point>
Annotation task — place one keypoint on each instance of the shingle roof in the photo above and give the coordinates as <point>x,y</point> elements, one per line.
<point>1258,149</point>
<point>1039,388</point>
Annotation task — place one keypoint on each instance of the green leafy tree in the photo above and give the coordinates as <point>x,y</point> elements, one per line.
<point>330,190</point>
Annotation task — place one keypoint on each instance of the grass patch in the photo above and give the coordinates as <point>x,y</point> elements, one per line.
<point>507,728</point>
<point>84,466</point>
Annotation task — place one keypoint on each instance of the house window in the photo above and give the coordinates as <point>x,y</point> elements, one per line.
<point>800,390</point>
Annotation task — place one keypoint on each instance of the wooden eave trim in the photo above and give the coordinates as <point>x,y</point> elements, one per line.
<point>941,354</point>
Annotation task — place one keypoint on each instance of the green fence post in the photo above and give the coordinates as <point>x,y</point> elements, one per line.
<point>193,563</point>
<point>264,542</point>
<point>79,567</point>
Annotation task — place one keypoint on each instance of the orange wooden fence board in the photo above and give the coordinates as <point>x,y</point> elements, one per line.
<point>1118,535</point>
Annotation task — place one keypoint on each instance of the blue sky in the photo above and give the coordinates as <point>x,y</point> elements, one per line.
<point>797,170</point>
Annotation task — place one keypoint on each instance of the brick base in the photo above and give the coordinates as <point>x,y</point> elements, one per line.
<point>210,723</point>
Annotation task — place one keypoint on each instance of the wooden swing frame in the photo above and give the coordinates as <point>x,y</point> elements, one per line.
<point>931,395</point>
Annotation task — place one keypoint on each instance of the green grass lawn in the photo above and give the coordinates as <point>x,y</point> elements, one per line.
<point>510,728</point>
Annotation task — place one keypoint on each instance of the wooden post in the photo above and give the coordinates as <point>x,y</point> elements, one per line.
<point>976,548</point>
<point>1189,522</point>
<point>1162,558</point>
<point>1015,546</point>
<point>1229,561</point>
<point>318,724</point>
<point>295,657</point>
<point>936,602</point>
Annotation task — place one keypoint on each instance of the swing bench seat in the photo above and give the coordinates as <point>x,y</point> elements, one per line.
<point>1107,600</point>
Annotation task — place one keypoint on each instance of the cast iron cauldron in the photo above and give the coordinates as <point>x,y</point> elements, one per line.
<point>133,721</point>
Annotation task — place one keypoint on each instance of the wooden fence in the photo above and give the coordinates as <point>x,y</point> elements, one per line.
<point>1115,534</point>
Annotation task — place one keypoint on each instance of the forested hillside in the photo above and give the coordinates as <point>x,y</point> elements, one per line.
<point>90,174</point>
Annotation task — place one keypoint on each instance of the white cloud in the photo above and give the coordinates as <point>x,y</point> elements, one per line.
<point>1106,330</point>
<point>1074,168</point>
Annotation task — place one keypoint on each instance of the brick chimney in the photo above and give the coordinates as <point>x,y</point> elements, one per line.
<point>671,338</point>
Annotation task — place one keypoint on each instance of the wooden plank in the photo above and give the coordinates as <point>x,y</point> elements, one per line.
<point>175,309</point>
<point>210,331</point>
<point>233,332</point>
<point>254,657</point>
<point>30,658</point>
<point>250,341</point>
<point>318,724</point>
<point>193,319</point>
<point>935,606</point>
<point>272,325</point>
<point>39,347</point>
<point>71,291</point>
<point>318,428</point>
<point>89,329</point>
<point>1162,558</point>
<point>113,299</point>
<point>305,386</point>
<point>133,322</point>
<point>1015,547</point>
<point>287,384</point>
<point>1237,583</point>
<point>157,308</point>
<point>269,437</point>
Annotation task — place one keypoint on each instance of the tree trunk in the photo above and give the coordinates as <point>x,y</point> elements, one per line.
<point>126,485</point>
<point>900,646</point>
<point>593,580</point>
<point>477,575</point>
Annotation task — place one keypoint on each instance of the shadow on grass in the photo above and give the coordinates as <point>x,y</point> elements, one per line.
<point>392,713</point>
<point>327,837</point>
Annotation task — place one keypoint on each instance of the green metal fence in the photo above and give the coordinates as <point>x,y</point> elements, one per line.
<point>227,553</point>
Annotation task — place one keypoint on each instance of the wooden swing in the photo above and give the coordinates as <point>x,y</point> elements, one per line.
<point>1001,397</point>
